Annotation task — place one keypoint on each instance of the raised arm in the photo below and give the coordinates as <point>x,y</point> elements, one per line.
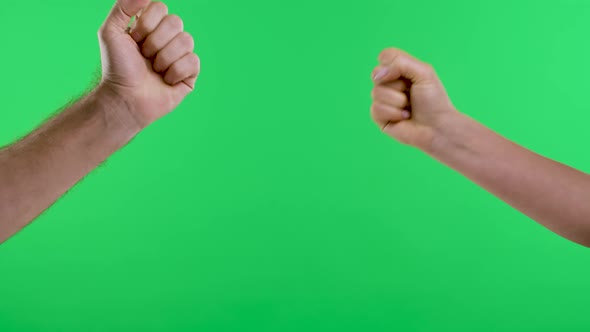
<point>411,105</point>
<point>147,72</point>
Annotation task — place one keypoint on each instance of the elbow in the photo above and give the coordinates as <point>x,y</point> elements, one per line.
<point>585,243</point>
<point>581,237</point>
<point>579,234</point>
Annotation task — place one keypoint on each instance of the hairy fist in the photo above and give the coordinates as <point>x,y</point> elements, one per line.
<point>409,101</point>
<point>150,66</point>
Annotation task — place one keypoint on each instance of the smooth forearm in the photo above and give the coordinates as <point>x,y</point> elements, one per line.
<point>551,193</point>
<point>37,170</point>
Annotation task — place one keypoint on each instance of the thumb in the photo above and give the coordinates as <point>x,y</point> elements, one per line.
<point>122,12</point>
<point>396,64</point>
<point>407,132</point>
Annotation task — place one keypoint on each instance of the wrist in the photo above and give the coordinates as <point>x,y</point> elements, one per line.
<point>117,110</point>
<point>446,132</point>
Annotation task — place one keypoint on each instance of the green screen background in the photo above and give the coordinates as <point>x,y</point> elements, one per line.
<point>270,202</point>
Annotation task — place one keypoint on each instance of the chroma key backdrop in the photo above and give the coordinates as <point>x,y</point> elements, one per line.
<point>269,201</point>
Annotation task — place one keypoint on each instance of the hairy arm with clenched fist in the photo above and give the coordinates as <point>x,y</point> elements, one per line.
<point>411,105</point>
<point>147,70</point>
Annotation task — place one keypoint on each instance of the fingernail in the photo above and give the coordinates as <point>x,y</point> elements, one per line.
<point>380,74</point>
<point>405,114</point>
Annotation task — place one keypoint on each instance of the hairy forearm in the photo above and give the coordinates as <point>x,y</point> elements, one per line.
<point>38,169</point>
<point>551,193</point>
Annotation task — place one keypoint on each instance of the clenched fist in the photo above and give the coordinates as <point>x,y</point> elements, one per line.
<point>151,66</point>
<point>409,101</point>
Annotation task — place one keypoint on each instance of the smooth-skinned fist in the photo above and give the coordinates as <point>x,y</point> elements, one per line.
<point>152,66</point>
<point>410,103</point>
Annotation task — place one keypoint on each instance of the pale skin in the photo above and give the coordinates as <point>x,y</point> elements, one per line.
<point>410,104</point>
<point>147,71</point>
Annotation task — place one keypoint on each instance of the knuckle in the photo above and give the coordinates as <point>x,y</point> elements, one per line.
<point>160,7</point>
<point>384,94</point>
<point>192,62</point>
<point>187,39</point>
<point>375,92</point>
<point>376,108</point>
<point>197,63</point>
<point>376,113</point>
<point>428,70</point>
<point>194,59</point>
<point>174,71</point>
<point>175,21</point>
<point>373,112</point>
<point>388,54</point>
